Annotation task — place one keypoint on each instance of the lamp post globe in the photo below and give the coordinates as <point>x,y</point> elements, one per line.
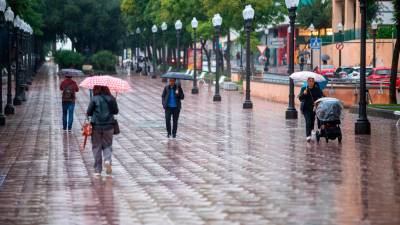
<point>178,28</point>
<point>291,112</point>
<point>195,24</point>
<point>248,16</point>
<point>3,6</point>
<point>217,22</point>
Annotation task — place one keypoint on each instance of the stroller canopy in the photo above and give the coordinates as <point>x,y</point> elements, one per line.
<point>329,109</point>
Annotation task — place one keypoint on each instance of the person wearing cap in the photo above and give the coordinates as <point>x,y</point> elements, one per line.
<point>69,89</point>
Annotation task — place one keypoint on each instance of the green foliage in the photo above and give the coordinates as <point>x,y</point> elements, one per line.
<point>105,61</point>
<point>318,12</point>
<point>387,31</point>
<point>68,59</point>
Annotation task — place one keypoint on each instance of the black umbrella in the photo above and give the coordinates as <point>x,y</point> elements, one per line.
<point>71,73</point>
<point>177,75</point>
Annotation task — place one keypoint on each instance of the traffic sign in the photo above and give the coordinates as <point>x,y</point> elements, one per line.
<point>339,46</point>
<point>315,43</point>
<point>276,43</point>
<point>261,48</point>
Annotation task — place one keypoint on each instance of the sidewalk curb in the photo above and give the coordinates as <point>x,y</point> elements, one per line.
<point>383,113</point>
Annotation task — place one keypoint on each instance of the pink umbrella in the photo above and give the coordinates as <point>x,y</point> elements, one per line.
<point>113,83</point>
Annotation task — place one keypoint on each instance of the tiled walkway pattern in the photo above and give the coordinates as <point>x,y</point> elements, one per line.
<point>228,165</point>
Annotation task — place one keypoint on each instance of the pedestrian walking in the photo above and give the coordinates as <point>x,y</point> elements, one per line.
<point>102,109</point>
<point>302,61</point>
<point>308,95</point>
<point>69,89</point>
<point>171,101</point>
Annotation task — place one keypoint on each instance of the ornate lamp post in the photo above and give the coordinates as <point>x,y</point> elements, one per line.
<point>9,17</point>
<point>178,28</point>
<point>340,29</point>
<point>311,28</point>
<point>154,30</point>
<point>248,15</point>
<point>19,86</point>
<point>363,126</point>
<point>195,89</point>
<point>217,22</point>
<point>374,27</point>
<point>266,63</point>
<point>164,28</point>
<point>291,112</point>
<point>138,48</point>
<point>3,7</point>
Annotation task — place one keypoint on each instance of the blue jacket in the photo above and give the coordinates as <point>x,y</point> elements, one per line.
<point>178,97</point>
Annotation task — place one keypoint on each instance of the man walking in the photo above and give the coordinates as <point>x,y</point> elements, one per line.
<point>171,101</point>
<point>68,88</point>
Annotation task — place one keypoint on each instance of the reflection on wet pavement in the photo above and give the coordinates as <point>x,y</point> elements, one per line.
<point>227,166</point>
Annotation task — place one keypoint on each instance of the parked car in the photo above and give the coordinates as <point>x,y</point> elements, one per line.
<point>328,71</point>
<point>382,74</point>
<point>343,72</point>
<point>355,75</point>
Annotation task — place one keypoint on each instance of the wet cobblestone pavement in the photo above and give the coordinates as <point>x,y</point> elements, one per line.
<point>227,166</point>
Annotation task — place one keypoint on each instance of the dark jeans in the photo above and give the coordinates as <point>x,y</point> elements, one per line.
<point>174,113</point>
<point>68,114</point>
<point>309,116</point>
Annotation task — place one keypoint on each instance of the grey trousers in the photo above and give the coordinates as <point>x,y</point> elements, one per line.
<point>101,146</point>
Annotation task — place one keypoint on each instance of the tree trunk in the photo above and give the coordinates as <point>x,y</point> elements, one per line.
<point>395,64</point>
<point>228,55</point>
<point>207,54</point>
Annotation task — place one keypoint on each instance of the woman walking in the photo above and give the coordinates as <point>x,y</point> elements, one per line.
<point>308,95</point>
<point>102,109</point>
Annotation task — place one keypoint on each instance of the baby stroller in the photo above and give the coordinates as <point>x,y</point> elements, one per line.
<point>329,114</point>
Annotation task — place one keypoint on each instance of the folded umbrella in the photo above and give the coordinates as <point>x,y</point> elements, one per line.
<point>113,83</point>
<point>304,75</point>
<point>177,75</point>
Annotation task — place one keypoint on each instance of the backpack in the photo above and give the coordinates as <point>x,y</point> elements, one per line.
<point>68,94</point>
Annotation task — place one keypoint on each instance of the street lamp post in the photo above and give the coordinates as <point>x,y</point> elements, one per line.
<point>340,29</point>
<point>137,48</point>
<point>374,27</point>
<point>164,28</point>
<point>178,28</point>
<point>291,112</point>
<point>19,87</point>
<point>217,22</point>
<point>311,28</point>
<point>9,17</point>
<point>248,15</point>
<point>363,126</point>
<point>154,56</point>
<point>3,28</point>
<point>266,64</point>
<point>195,89</point>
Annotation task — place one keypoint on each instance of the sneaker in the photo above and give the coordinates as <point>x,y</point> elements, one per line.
<point>174,136</point>
<point>70,131</point>
<point>107,164</point>
<point>308,139</point>
<point>168,136</point>
<point>97,174</point>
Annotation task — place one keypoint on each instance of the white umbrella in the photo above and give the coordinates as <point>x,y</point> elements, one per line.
<point>304,75</point>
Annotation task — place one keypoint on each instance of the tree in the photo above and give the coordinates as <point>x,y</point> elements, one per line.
<point>396,51</point>
<point>317,12</point>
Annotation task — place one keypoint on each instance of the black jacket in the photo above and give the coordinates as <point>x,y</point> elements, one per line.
<point>313,94</point>
<point>102,109</point>
<point>178,97</point>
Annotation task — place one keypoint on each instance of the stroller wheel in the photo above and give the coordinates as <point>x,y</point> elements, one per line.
<point>340,139</point>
